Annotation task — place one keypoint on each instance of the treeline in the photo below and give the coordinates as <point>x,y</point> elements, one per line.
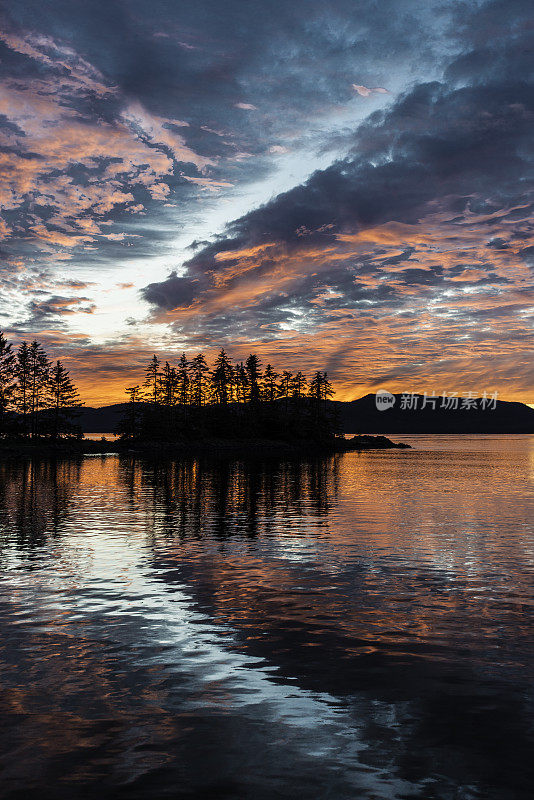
<point>227,400</point>
<point>190,400</point>
<point>37,397</point>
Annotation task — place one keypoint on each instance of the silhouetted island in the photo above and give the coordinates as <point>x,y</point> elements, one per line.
<point>77,446</point>
<point>227,407</point>
<point>362,416</point>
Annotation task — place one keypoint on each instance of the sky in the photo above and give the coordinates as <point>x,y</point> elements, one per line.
<point>336,185</point>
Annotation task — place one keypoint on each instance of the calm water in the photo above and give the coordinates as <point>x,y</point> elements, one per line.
<point>348,627</point>
<point>110,437</point>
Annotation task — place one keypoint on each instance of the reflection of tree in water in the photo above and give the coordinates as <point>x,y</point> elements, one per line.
<point>433,716</point>
<point>34,499</point>
<point>249,496</point>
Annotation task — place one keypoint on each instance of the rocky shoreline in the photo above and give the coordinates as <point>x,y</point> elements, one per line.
<point>368,442</point>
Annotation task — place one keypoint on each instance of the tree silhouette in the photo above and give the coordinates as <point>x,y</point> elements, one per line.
<point>152,378</point>
<point>270,386</point>
<point>44,399</point>
<point>183,380</point>
<point>320,389</point>
<point>232,400</point>
<point>327,390</point>
<point>65,398</point>
<point>253,370</point>
<point>39,372</point>
<point>22,389</point>
<point>284,389</point>
<point>242,382</point>
<point>316,385</point>
<point>299,385</point>
<point>131,424</point>
<point>7,377</point>
<point>199,371</point>
<point>222,378</point>
<point>168,385</point>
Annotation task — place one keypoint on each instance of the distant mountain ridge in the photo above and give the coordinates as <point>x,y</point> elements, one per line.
<point>362,416</point>
<point>101,420</point>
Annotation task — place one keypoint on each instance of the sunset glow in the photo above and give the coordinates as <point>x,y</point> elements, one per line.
<point>346,191</point>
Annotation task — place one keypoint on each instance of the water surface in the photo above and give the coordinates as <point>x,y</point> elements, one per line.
<point>357,626</point>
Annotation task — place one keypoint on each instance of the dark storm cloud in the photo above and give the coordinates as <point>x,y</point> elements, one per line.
<point>433,145</point>
<point>496,41</point>
<point>206,55</point>
<point>52,310</point>
<point>228,81</point>
<point>169,102</point>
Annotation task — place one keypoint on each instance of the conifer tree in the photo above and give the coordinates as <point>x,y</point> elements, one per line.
<point>39,372</point>
<point>131,425</point>
<point>152,378</point>
<point>315,390</point>
<point>182,374</point>
<point>134,394</point>
<point>23,386</point>
<point>168,385</point>
<point>299,385</point>
<point>327,390</point>
<point>253,368</point>
<point>270,386</point>
<point>222,378</point>
<point>65,398</point>
<point>199,371</point>
<point>7,377</point>
<point>284,389</point>
<point>192,383</point>
<point>242,382</point>
<point>320,389</point>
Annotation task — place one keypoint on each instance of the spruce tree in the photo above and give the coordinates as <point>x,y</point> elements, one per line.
<point>193,383</point>
<point>270,378</point>
<point>39,371</point>
<point>253,368</point>
<point>284,389</point>
<point>130,427</point>
<point>316,384</point>
<point>242,382</point>
<point>320,390</point>
<point>23,386</point>
<point>152,379</point>
<point>327,390</point>
<point>222,378</point>
<point>65,398</point>
<point>299,385</point>
<point>182,374</point>
<point>168,385</point>
<point>7,378</point>
<point>199,372</point>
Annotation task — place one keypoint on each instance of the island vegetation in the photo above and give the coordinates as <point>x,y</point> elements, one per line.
<point>194,401</point>
<point>38,399</point>
<point>188,404</point>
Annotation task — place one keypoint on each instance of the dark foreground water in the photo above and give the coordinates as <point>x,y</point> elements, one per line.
<point>348,627</point>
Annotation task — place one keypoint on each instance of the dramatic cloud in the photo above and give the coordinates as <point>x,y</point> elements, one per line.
<point>107,112</point>
<point>400,249</point>
<point>398,240</point>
